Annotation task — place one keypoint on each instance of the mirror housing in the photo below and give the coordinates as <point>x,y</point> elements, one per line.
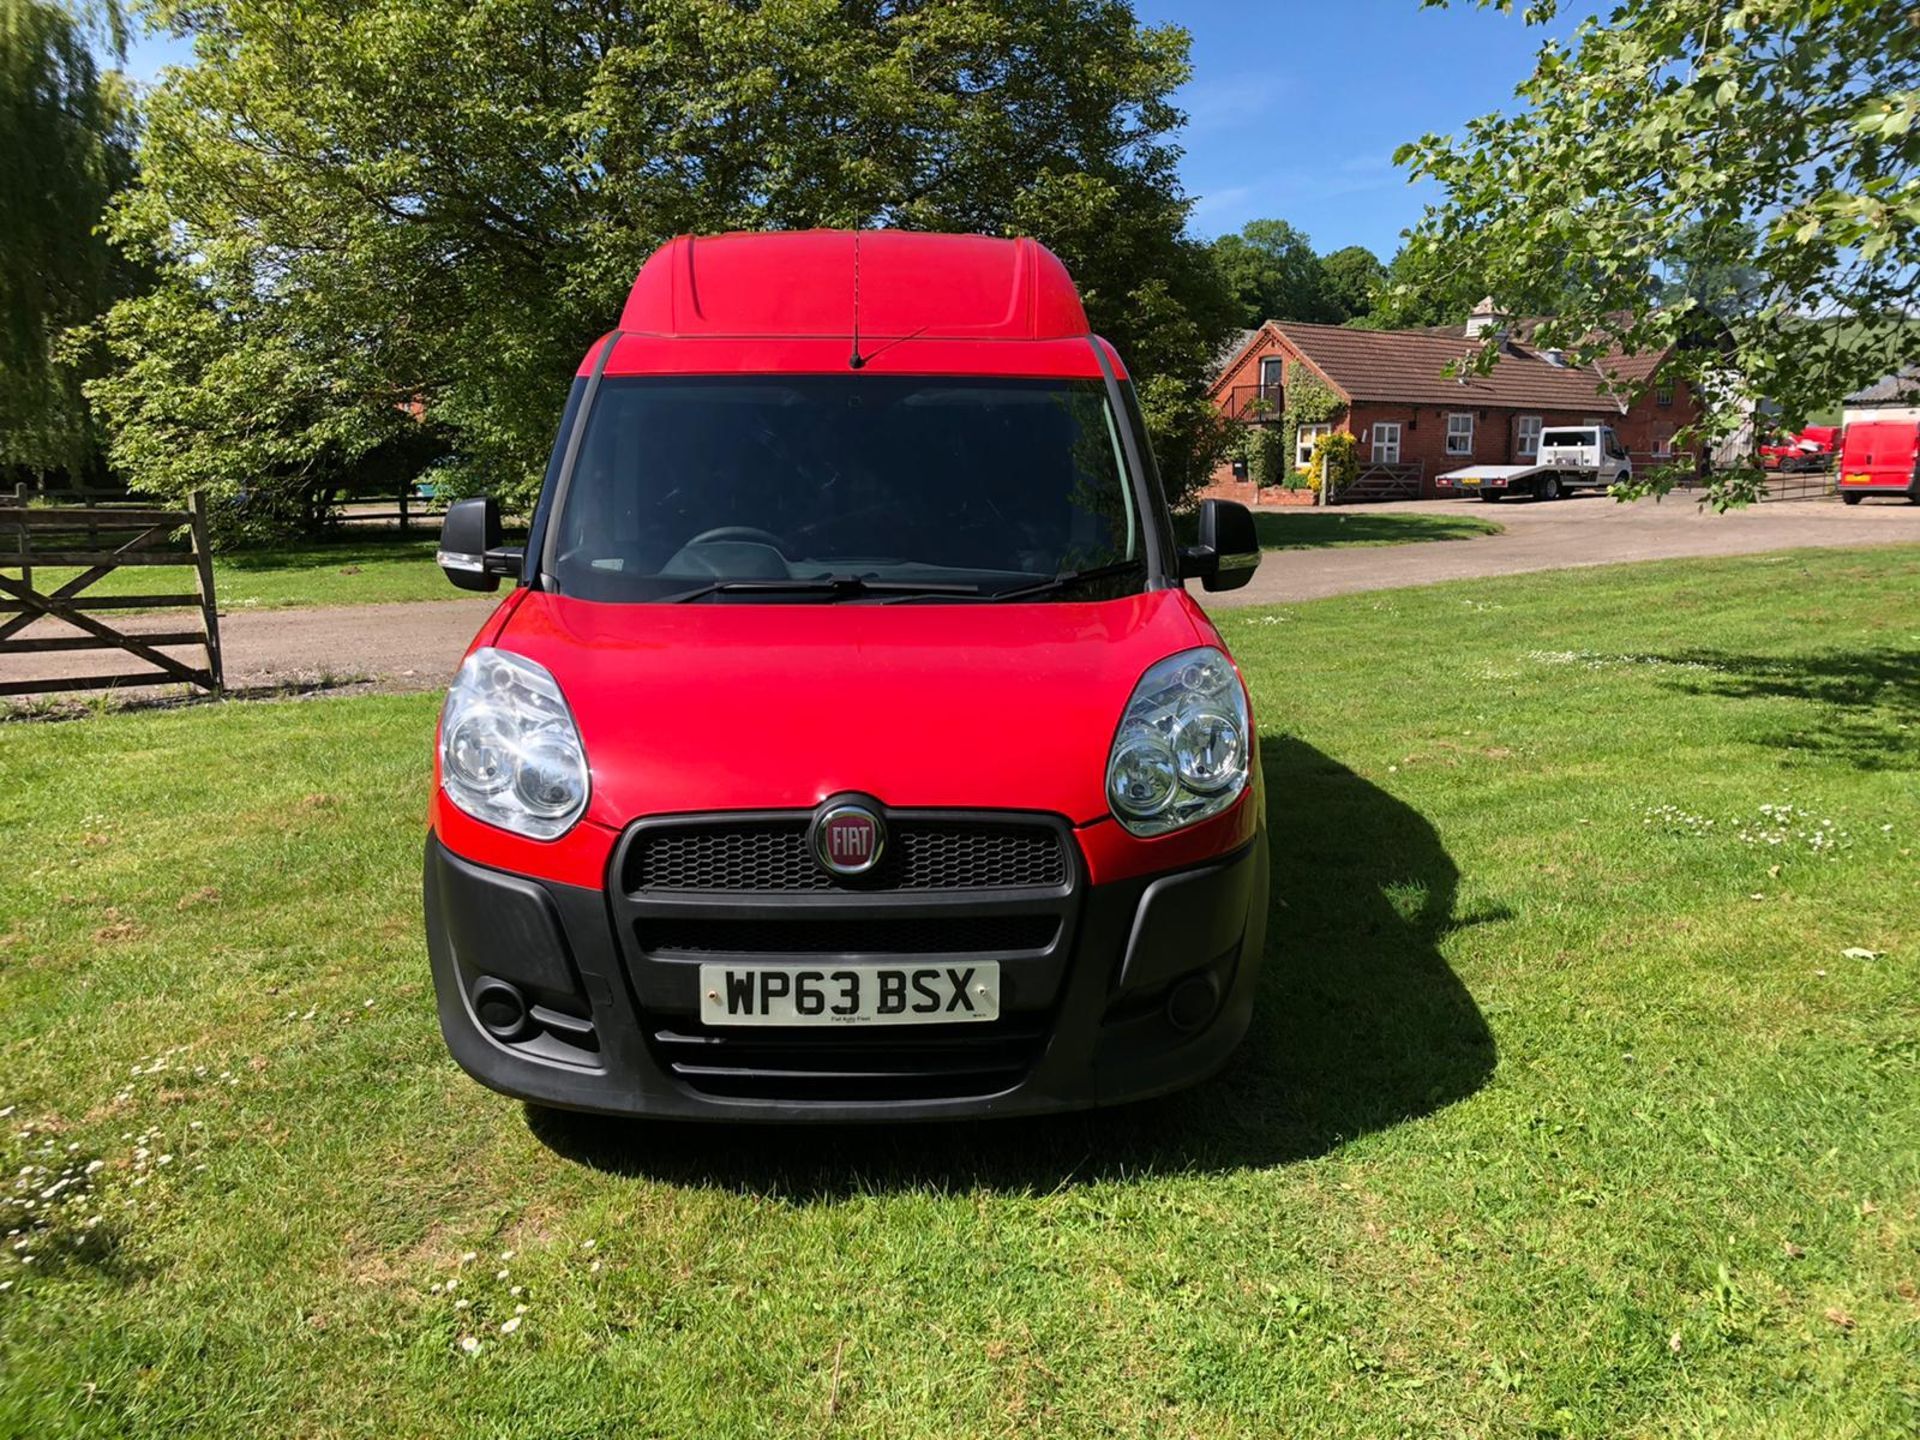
<point>1228,551</point>
<point>470,552</point>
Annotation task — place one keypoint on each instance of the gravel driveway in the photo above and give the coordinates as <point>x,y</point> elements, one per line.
<point>1561,534</point>
<point>416,646</point>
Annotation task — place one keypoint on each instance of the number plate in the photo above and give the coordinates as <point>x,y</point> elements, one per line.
<point>849,994</point>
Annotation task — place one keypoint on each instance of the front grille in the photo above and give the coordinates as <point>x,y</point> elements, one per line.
<point>926,1063</point>
<point>770,856</point>
<point>950,885</point>
<point>866,935</point>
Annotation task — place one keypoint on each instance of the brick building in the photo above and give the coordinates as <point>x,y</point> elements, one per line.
<point>1411,421</point>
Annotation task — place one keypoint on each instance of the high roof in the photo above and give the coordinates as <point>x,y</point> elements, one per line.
<point>1409,367</point>
<point>811,284</point>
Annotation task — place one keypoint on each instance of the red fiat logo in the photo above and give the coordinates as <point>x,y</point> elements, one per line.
<point>848,839</point>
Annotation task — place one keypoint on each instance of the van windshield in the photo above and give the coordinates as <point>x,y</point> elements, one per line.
<point>789,487</point>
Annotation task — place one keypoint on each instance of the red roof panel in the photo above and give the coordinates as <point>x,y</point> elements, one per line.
<point>807,284</point>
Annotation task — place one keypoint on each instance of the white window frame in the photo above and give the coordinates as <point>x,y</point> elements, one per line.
<point>1454,434</point>
<point>1527,430</point>
<point>1278,384</point>
<point>1662,443</point>
<point>1663,393</point>
<point>1385,442</point>
<point>1303,444</point>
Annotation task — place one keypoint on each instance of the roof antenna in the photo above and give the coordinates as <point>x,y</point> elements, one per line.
<point>854,362</point>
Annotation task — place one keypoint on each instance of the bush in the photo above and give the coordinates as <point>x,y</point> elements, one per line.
<point>1335,461</point>
<point>1266,456</point>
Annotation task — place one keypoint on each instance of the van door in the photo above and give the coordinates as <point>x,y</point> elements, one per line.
<point>1614,462</point>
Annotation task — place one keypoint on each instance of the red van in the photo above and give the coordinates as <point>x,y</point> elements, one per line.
<point>848,746</point>
<point>1880,457</point>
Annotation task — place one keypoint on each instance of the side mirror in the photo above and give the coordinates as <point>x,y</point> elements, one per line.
<point>1228,551</point>
<point>470,550</point>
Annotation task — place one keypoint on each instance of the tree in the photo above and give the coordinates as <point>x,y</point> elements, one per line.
<point>370,212</point>
<point>1273,274</point>
<point>65,148</point>
<point>1354,278</point>
<point>1707,175</point>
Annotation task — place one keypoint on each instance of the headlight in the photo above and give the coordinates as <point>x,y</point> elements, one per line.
<point>1181,752</point>
<point>509,751</point>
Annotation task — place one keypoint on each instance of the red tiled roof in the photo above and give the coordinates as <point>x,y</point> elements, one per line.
<point>1409,367</point>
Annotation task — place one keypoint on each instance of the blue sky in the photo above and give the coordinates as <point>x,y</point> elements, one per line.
<point>1296,106</point>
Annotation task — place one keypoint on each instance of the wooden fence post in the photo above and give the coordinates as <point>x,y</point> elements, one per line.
<point>203,578</point>
<point>26,570</point>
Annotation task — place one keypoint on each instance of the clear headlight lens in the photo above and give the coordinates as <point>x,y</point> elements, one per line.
<point>1181,753</point>
<point>510,753</point>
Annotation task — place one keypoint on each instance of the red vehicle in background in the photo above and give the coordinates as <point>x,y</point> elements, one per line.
<point>1812,449</point>
<point>848,746</point>
<point>1880,457</point>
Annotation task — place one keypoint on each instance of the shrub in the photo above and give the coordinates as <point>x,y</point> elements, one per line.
<point>1266,456</point>
<point>1335,461</point>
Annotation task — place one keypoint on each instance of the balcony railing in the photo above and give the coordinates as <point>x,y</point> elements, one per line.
<point>1261,404</point>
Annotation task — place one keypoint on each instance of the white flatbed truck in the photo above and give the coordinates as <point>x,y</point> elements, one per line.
<point>1571,457</point>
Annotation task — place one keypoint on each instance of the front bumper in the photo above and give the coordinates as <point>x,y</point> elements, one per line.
<point>1146,986</point>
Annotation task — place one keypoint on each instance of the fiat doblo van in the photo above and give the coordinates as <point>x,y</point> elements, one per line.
<point>848,746</point>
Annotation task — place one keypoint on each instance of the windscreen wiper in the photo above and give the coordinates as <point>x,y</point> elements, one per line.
<point>835,586</point>
<point>1068,578</point>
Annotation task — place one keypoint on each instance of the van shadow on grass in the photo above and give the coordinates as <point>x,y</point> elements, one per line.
<point>1359,1025</point>
<point>1868,698</point>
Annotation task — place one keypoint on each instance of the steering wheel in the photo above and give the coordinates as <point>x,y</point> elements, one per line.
<point>735,532</point>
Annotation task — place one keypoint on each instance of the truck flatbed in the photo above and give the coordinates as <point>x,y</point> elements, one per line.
<point>1480,474</point>
<point>1572,457</point>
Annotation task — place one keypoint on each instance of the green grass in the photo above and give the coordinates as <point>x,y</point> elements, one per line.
<point>1308,529</point>
<point>1313,529</point>
<point>1564,1112</point>
<point>362,569</point>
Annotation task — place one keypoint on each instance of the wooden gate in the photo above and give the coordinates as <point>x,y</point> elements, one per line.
<point>1380,481</point>
<point>99,539</point>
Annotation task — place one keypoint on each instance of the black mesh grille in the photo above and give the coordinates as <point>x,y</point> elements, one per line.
<point>876,935</point>
<point>773,855</point>
<point>930,1062</point>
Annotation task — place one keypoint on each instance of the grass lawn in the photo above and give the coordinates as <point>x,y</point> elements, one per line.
<point>359,569</point>
<point>1310,529</point>
<point>1583,1097</point>
<point>1306,529</point>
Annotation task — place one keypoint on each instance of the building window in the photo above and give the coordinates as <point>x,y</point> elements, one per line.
<point>1526,437</point>
<point>1273,376</point>
<point>1459,434</point>
<point>1303,450</point>
<point>1386,442</point>
<point>1663,393</point>
<point>1662,442</point>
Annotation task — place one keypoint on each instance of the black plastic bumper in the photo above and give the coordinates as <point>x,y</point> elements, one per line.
<point>1153,988</point>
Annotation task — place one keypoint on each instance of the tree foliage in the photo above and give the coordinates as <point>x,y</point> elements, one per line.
<point>1711,175</point>
<point>1354,279</point>
<point>376,210</point>
<point>1273,273</point>
<point>65,148</point>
